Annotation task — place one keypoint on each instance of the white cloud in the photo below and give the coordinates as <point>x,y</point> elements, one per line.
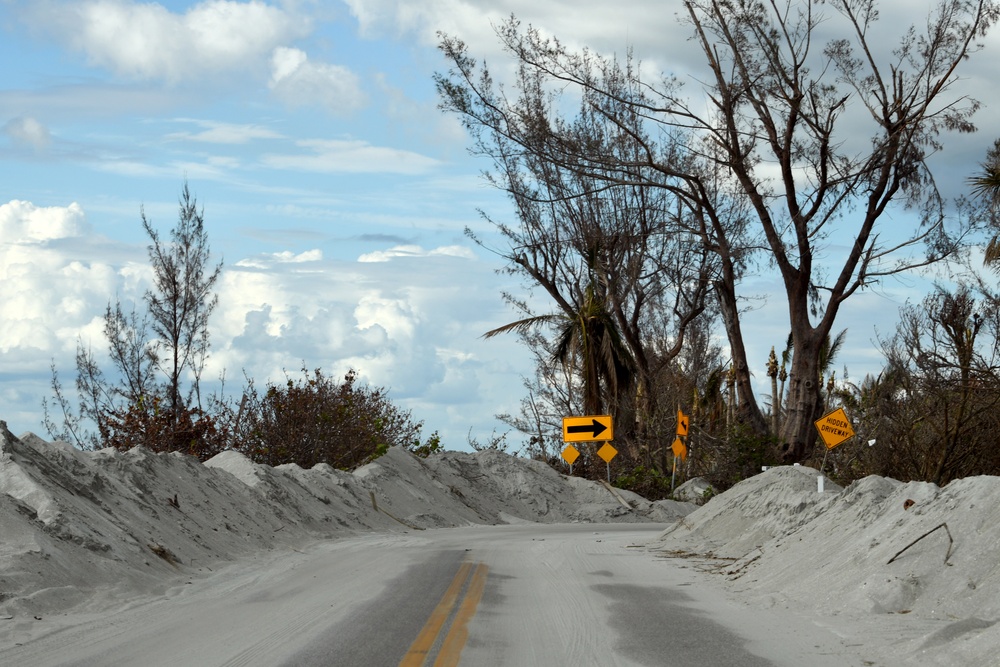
<point>23,222</point>
<point>453,251</point>
<point>215,132</point>
<point>28,131</point>
<point>277,311</point>
<point>298,82</point>
<point>606,25</point>
<point>285,257</point>
<point>48,294</point>
<point>146,41</point>
<point>351,156</point>
<point>416,251</point>
<point>395,315</point>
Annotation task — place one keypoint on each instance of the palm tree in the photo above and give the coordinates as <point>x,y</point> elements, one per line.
<point>591,336</point>
<point>772,372</point>
<point>986,185</point>
<point>828,352</point>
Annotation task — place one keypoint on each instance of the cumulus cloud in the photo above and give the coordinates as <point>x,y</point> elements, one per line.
<point>298,82</point>
<point>350,156</point>
<point>23,222</point>
<point>394,315</point>
<point>28,131</point>
<point>146,41</point>
<point>47,296</point>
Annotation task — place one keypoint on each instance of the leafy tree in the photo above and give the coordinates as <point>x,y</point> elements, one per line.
<point>845,133</point>
<point>590,337</point>
<point>106,400</point>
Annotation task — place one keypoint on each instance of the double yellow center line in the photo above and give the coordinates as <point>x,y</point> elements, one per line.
<point>458,632</point>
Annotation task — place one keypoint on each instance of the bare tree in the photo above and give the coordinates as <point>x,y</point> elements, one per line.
<point>611,257</point>
<point>182,299</point>
<point>133,353</point>
<point>843,132</point>
<point>937,410</point>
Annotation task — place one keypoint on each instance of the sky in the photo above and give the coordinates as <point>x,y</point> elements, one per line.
<point>335,192</point>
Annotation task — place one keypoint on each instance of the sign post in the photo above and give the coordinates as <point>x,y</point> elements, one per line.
<point>607,452</point>
<point>679,448</point>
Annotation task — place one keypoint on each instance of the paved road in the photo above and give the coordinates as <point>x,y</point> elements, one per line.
<point>486,596</point>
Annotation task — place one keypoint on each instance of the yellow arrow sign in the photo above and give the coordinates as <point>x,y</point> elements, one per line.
<point>683,423</point>
<point>587,429</point>
<point>834,428</point>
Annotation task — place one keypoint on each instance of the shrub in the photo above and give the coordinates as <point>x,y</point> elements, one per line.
<point>316,419</point>
<point>189,430</point>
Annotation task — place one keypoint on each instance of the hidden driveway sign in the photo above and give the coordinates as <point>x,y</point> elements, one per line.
<point>834,428</point>
<point>587,429</point>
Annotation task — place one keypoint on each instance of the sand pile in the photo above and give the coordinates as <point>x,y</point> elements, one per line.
<point>777,541</point>
<point>911,571</point>
<point>80,529</point>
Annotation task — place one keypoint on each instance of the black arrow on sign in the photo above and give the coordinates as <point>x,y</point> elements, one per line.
<point>595,428</point>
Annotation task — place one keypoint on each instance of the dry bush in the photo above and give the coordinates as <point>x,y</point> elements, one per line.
<point>190,431</point>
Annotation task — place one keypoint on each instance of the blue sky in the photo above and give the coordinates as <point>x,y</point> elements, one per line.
<point>334,190</point>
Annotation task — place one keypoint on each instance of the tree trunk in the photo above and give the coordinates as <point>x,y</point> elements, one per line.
<point>775,405</point>
<point>804,404</point>
<point>748,412</point>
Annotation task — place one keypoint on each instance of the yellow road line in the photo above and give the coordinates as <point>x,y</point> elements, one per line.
<point>425,640</point>
<point>451,649</point>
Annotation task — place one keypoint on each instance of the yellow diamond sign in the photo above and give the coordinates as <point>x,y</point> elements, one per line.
<point>570,454</point>
<point>607,452</point>
<point>834,428</point>
<point>680,449</point>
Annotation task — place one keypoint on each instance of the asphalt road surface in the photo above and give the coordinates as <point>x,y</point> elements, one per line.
<point>520,595</point>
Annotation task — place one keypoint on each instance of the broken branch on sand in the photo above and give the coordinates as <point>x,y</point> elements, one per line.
<point>951,542</point>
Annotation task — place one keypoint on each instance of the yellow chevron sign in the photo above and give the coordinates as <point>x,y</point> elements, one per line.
<point>588,429</point>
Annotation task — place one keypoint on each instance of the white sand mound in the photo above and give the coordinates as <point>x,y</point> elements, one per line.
<point>829,554</point>
<point>82,529</point>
